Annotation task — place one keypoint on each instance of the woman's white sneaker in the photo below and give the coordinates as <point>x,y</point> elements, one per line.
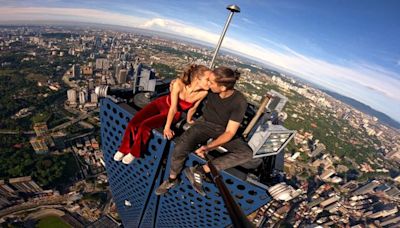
<point>128,159</point>
<point>118,156</point>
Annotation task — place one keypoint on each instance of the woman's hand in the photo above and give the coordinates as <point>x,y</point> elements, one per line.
<point>168,133</point>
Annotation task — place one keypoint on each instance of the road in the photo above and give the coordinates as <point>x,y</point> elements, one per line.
<point>73,121</point>
<point>57,128</point>
<point>29,205</point>
<point>10,132</point>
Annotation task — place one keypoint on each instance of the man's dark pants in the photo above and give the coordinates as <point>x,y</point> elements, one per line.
<point>239,152</point>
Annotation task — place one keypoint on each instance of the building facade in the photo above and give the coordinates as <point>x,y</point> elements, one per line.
<point>133,185</point>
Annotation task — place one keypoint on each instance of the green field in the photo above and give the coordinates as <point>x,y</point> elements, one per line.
<point>52,221</point>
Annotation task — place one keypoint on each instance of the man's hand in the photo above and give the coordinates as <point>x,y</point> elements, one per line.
<point>168,133</point>
<point>202,151</point>
<point>190,121</point>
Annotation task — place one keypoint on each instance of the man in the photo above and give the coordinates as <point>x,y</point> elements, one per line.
<point>223,112</point>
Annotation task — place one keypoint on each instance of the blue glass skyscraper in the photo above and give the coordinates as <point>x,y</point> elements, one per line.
<point>133,185</point>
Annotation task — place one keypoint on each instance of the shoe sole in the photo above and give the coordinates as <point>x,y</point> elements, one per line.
<point>127,163</point>
<point>191,180</point>
<point>173,186</point>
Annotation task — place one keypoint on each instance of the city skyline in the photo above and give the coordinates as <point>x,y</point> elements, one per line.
<point>349,49</point>
<point>63,121</point>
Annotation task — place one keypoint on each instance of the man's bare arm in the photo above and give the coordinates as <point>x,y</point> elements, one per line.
<point>225,137</point>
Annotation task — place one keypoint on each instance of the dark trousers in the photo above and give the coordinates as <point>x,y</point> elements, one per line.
<point>239,152</point>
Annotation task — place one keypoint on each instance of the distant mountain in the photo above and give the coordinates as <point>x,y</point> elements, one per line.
<point>365,108</point>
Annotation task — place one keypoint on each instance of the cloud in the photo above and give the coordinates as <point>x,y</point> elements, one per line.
<point>156,22</point>
<point>70,14</point>
<point>366,82</point>
<point>214,24</point>
<point>245,19</point>
<point>180,28</point>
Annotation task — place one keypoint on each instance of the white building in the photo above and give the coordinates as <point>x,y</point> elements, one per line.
<point>327,174</point>
<point>94,98</point>
<point>102,64</point>
<point>82,97</point>
<point>122,76</point>
<point>71,94</point>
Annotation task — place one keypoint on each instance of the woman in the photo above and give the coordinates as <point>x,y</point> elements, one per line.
<point>186,94</point>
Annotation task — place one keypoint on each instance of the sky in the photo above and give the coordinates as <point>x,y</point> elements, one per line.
<point>350,47</point>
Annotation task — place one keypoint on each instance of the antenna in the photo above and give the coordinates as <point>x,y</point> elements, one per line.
<point>233,9</point>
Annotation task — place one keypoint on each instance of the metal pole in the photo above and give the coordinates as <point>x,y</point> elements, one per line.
<point>259,112</point>
<point>233,9</point>
<point>239,219</point>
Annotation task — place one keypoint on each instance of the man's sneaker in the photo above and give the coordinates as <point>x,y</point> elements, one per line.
<point>196,179</point>
<point>166,185</point>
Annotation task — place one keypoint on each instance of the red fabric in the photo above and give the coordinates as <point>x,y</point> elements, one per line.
<point>154,115</point>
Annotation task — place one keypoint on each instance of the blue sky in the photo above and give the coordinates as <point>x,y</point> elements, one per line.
<point>350,47</point>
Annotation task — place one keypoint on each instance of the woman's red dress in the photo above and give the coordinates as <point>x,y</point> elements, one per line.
<point>153,115</point>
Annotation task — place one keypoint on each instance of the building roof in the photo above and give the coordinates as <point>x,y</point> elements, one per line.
<point>20,179</point>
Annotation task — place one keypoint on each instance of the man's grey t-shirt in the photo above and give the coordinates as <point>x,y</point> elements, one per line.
<point>220,110</point>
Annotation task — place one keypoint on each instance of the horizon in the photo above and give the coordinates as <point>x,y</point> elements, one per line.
<point>368,68</point>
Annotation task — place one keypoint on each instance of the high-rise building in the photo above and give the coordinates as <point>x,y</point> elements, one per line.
<point>40,128</point>
<point>320,148</point>
<point>25,184</point>
<point>87,71</point>
<point>102,64</point>
<point>39,144</point>
<point>97,42</point>
<point>118,67</point>
<point>122,76</point>
<point>5,190</point>
<point>91,84</point>
<point>86,91</point>
<point>94,98</point>
<point>76,71</point>
<point>147,80</point>
<point>133,185</point>
<point>136,72</point>
<point>82,97</point>
<point>71,94</point>
<point>282,191</point>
